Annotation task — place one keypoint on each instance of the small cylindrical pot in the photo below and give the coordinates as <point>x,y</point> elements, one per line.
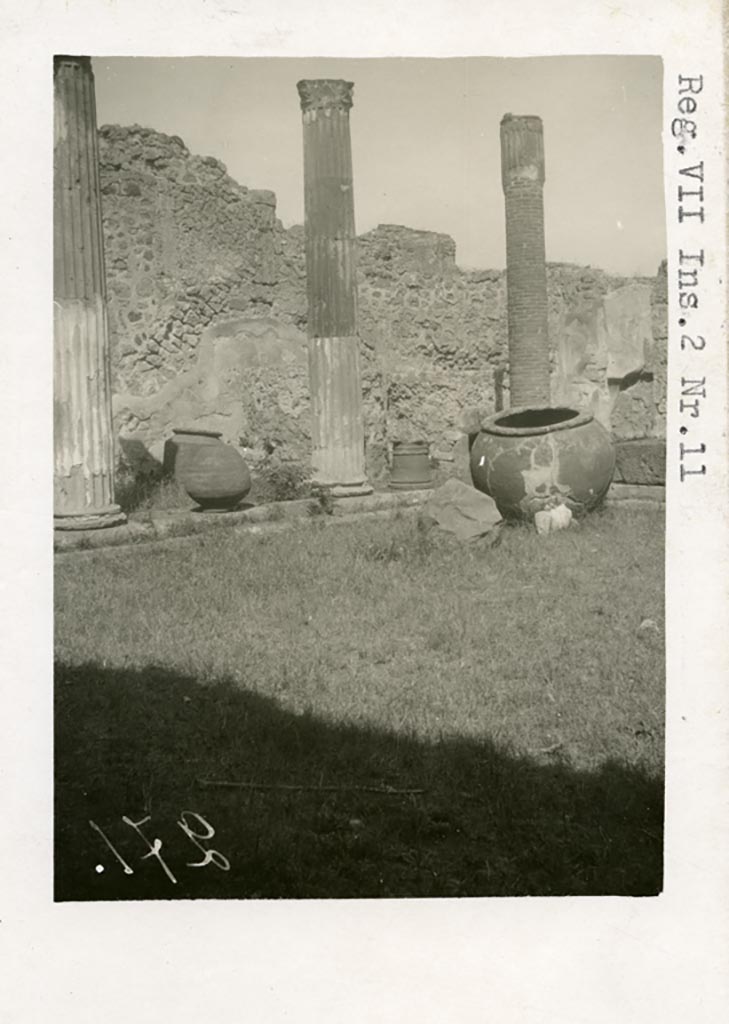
<point>213,474</point>
<point>532,459</point>
<point>410,469</point>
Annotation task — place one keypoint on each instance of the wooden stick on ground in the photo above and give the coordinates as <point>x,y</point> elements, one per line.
<point>379,790</point>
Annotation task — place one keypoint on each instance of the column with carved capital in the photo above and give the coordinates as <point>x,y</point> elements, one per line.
<point>338,457</point>
<point>83,434</point>
<point>522,176</point>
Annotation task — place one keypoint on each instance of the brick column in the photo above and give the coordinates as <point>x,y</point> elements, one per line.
<point>522,175</point>
<point>334,374</point>
<point>83,433</point>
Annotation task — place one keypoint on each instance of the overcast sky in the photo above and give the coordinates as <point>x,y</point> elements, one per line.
<point>425,140</point>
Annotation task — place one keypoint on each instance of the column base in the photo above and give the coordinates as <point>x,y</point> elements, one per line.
<point>344,490</point>
<point>94,519</point>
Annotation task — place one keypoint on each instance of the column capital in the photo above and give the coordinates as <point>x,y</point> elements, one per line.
<point>522,149</point>
<point>325,94</point>
<point>64,60</point>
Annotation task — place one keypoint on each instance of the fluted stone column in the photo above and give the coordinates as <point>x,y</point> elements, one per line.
<point>334,373</point>
<point>83,436</point>
<point>522,175</point>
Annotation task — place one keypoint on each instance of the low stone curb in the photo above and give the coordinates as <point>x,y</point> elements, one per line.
<point>251,529</point>
<point>651,494</point>
<point>182,524</point>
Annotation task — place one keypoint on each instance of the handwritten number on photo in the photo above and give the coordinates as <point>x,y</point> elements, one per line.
<point>154,847</point>
<point>127,869</point>
<point>211,856</point>
<point>197,829</point>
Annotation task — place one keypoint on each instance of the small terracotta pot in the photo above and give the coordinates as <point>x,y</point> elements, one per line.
<point>410,470</point>
<point>213,474</point>
<point>531,459</point>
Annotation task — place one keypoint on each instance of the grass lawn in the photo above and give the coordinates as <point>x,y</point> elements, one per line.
<point>510,688</point>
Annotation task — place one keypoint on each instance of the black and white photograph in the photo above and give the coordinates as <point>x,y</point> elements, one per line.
<point>359,586</point>
<point>377,412</point>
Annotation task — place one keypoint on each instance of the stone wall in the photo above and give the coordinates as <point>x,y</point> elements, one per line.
<point>184,243</point>
<point>609,345</point>
<point>207,314</point>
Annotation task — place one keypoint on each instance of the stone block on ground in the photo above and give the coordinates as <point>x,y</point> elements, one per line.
<point>641,461</point>
<point>461,510</point>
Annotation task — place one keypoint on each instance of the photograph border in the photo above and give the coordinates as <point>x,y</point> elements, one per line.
<point>536,960</point>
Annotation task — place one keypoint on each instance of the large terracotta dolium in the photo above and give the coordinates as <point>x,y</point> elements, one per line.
<point>213,474</point>
<point>338,457</point>
<point>83,434</point>
<point>522,178</point>
<point>530,460</point>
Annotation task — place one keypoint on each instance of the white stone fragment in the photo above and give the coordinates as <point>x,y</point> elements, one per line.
<point>552,519</point>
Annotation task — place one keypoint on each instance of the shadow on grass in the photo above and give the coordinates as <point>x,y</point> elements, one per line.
<point>136,743</point>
